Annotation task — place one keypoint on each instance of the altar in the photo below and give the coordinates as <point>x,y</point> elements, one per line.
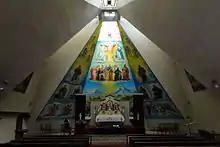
<point>110,118</point>
<point>109,112</point>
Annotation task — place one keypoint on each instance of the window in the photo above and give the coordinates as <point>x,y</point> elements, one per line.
<point>109,14</point>
<point>111,3</point>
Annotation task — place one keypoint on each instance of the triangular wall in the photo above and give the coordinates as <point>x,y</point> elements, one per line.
<point>157,103</point>
<point>60,104</point>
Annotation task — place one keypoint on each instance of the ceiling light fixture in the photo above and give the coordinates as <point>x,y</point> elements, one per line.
<point>215,84</point>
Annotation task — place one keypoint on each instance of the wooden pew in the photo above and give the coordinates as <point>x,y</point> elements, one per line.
<point>165,139</point>
<point>176,143</point>
<point>152,137</point>
<point>137,141</point>
<point>58,137</point>
<point>75,141</point>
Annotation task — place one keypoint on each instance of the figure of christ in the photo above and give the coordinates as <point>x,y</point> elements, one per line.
<point>125,73</point>
<point>110,52</point>
<point>101,55</point>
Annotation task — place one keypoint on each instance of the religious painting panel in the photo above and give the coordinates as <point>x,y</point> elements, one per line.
<point>153,92</point>
<point>57,110</point>
<point>65,92</point>
<point>161,110</point>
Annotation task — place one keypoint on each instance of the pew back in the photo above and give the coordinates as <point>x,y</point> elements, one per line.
<point>149,140</point>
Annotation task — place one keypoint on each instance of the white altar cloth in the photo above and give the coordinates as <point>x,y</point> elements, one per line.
<point>109,118</point>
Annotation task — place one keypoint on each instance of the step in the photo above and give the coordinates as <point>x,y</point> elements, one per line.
<point>108,139</point>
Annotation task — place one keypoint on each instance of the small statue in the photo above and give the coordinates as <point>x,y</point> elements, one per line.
<point>80,116</point>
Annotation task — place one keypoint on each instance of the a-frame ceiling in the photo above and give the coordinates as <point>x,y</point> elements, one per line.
<point>188,31</point>
<point>32,30</point>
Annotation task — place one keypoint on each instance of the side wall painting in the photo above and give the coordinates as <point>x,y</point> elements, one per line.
<point>61,102</point>
<point>157,103</point>
<point>195,84</point>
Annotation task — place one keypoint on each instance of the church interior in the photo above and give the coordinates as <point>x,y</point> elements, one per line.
<point>110,73</point>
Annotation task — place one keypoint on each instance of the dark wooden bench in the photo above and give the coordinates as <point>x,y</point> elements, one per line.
<point>55,137</point>
<point>166,140</point>
<point>73,144</point>
<point>129,137</point>
<point>70,140</point>
<point>175,143</point>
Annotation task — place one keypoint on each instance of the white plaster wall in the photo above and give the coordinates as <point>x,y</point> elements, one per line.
<point>7,127</point>
<point>187,30</point>
<point>122,3</point>
<point>164,68</point>
<point>96,3</point>
<point>32,30</point>
<point>14,102</point>
<point>53,70</point>
<point>21,102</point>
<point>203,106</point>
<point>99,3</point>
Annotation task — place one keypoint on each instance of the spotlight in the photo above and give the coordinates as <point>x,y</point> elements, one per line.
<point>1,89</point>
<point>215,84</point>
<point>5,82</point>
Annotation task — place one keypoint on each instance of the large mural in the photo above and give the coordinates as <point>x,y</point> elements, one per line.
<point>61,102</point>
<point>157,103</point>
<point>109,72</point>
<point>109,85</point>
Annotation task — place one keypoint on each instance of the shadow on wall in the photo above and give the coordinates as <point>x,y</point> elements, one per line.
<point>195,84</point>
<point>22,87</point>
